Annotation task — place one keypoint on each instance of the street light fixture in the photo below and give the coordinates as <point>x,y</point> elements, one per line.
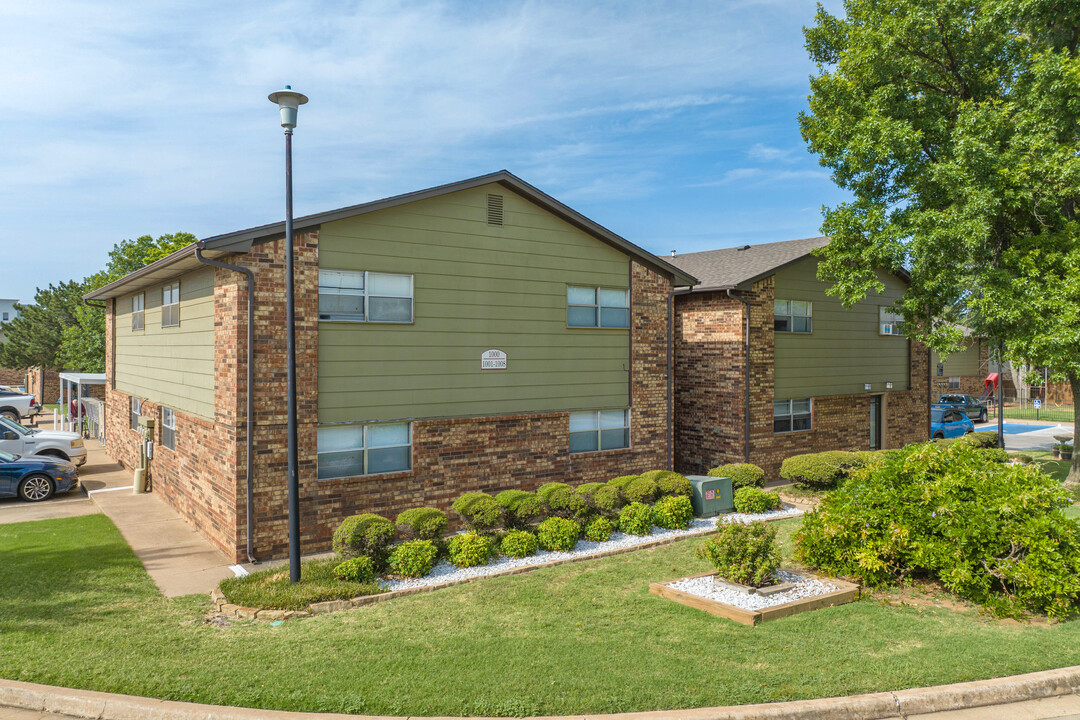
<point>288,101</point>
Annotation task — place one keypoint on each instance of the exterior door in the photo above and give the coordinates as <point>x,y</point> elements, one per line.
<point>875,422</point>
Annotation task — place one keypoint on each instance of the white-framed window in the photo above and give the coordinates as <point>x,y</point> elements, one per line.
<point>793,316</point>
<point>170,305</point>
<point>954,383</point>
<point>599,430</point>
<point>792,415</point>
<point>136,411</point>
<point>350,450</point>
<point>360,296</point>
<point>168,428</point>
<point>5,318</point>
<point>597,307</point>
<point>889,322</point>
<point>137,311</point>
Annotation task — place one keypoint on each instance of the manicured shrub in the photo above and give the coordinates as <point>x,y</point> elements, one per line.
<point>414,558</point>
<point>366,535</point>
<point>355,570</point>
<point>426,523</point>
<point>821,471</point>
<point>983,439</point>
<point>636,519</point>
<point>640,490</point>
<point>558,534</point>
<point>479,511</point>
<point>600,497</point>
<point>992,533</point>
<point>741,474</point>
<point>993,454</point>
<point>620,484</point>
<point>562,500</point>
<point>599,529</point>
<point>520,508</point>
<point>470,549</point>
<point>518,544</point>
<point>755,500</point>
<point>674,512</point>
<point>669,484</point>
<point>747,554</point>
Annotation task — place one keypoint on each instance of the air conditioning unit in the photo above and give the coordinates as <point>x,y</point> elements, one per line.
<point>888,329</point>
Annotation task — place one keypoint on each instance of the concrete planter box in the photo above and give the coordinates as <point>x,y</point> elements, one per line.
<point>845,593</point>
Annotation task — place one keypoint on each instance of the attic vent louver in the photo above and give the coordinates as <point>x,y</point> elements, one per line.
<point>495,209</point>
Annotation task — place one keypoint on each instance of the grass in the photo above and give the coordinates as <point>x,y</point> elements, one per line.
<point>1029,413</point>
<point>271,588</point>
<point>1056,469</point>
<point>77,609</point>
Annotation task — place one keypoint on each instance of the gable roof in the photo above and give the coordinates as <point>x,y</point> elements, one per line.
<point>241,241</point>
<point>729,268</point>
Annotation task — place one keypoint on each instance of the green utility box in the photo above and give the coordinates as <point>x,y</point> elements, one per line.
<point>712,495</point>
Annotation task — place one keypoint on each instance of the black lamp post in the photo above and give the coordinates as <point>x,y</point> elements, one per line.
<point>288,102</point>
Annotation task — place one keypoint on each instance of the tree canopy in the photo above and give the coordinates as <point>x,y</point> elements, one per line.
<point>955,125</point>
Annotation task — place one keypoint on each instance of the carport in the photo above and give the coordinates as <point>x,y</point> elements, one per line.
<point>75,385</point>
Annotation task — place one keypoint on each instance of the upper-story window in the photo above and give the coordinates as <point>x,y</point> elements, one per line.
<point>137,315</point>
<point>5,318</point>
<point>597,307</point>
<point>889,322</point>
<point>170,305</point>
<point>360,296</point>
<point>793,316</point>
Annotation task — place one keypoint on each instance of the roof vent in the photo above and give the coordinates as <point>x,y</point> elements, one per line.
<point>495,209</point>
<point>672,253</point>
<point>744,247</point>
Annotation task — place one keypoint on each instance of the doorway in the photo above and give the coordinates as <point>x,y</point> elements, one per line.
<point>875,422</point>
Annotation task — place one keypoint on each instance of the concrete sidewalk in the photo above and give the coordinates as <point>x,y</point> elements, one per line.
<point>178,559</point>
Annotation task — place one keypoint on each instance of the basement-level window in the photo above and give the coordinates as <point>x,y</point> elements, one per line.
<point>136,411</point>
<point>350,450</point>
<point>358,296</point>
<point>168,428</point>
<point>597,307</point>
<point>793,316</point>
<point>791,415</point>
<point>599,430</point>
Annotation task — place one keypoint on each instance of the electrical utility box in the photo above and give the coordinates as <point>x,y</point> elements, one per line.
<point>712,495</point>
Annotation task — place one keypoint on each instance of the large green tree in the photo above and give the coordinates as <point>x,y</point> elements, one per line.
<point>33,337</point>
<point>955,125</point>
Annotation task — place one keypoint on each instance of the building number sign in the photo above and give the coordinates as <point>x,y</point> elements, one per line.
<point>493,360</point>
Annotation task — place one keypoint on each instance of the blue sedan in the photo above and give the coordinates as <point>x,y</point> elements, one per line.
<point>35,478</point>
<point>949,422</point>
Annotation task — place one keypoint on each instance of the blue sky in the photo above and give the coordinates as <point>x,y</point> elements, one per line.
<point>673,124</point>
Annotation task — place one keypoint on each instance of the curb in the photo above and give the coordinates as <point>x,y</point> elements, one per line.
<point>94,705</point>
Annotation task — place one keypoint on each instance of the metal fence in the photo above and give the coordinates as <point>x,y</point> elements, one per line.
<point>94,419</point>
<point>1024,409</point>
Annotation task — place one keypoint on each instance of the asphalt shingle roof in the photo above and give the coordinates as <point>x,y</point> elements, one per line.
<point>731,267</point>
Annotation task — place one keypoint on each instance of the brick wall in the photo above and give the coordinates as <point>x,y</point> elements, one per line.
<point>969,384</point>
<point>710,366</point>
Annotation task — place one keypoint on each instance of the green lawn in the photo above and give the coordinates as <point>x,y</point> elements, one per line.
<point>77,609</point>
<point>1029,413</point>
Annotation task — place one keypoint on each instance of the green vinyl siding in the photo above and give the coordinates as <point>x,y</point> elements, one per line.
<point>172,366</point>
<point>475,287</point>
<point>845,349</point>
<point>959,364</point>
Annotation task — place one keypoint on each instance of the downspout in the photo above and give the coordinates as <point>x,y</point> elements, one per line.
<point>746,374</point>
<point>670,376</point>
<point>249,500</point>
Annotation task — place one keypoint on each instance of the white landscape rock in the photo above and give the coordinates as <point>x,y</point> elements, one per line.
<point>446,572</point>
<point>806,586</point>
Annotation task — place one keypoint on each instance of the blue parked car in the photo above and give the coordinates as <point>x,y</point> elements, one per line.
<point>35,478</point>
<point>947,421</point>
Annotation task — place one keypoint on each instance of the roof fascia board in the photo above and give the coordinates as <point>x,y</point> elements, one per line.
<point>117,287</point>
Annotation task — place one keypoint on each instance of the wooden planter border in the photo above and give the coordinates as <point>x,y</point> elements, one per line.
<point>845,593</point>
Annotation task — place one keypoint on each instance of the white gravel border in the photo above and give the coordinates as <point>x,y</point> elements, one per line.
<point>805,587</point>
<point>446,572</point>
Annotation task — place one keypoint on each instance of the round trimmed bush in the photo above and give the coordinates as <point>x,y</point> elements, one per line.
<point>426,523</point>
<point>755,500</point>
<point>981,439</point>
<point>821,471</point>
<point>355,570</point>
<point>600,497</point>
<point>479,511</point>
<point>599,529</point>
<point>558,534</point>
<point>747,554</point>
<point>519,544</point>
<point>366,535</point>
<point>673,512</point>
<point>470,549</point>
<point>414,558</point>
<point>670,484</point>
<point>636,519</point>
<point>741,474</point>
<point>520,508</point>
<point>562,500</point>
<point>640,490</point>
<point>620,483</point>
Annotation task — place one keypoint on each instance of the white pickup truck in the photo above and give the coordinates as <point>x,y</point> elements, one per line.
<point>19,440</point>
<point>15,405</point>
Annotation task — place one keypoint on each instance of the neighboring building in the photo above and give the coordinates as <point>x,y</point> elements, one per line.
<point>10,376</point>
<point>7,314</point>
<point>475,336</point>
<point>821,377</point>
<point>964,371</point>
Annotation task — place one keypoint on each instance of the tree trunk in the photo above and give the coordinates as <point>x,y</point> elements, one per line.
<point>1073,478</point>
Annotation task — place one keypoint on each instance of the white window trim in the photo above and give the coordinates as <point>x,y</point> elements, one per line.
<point>140,313</point>
<point>365,449</point>
<point>165,426</point>
<point>792,415</point>
<point>135,406</point>
<point>175,304</point>
<point>367,295</point>
<point>791,317</point>
<point>599,307</point>
<point>599,430</point>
